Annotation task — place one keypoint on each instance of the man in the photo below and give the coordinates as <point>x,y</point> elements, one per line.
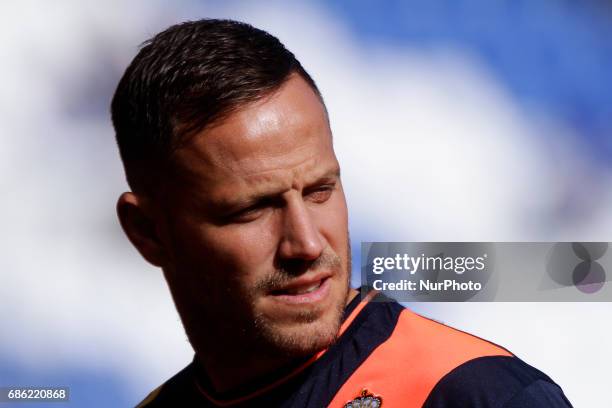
<point>236,195</point>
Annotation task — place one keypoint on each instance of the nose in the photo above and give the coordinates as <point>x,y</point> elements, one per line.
<point>300,237</point>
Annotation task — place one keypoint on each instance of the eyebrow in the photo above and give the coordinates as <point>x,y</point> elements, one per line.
<point>333,174</point>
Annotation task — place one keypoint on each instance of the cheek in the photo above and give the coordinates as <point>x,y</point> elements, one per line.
<point>243,251</point>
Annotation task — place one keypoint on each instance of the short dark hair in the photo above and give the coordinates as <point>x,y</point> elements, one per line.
<point>187,77</point>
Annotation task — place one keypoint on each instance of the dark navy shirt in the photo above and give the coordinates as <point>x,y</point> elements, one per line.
<point>390,357</point>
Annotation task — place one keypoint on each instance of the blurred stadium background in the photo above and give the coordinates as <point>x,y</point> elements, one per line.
<point>454,120</point>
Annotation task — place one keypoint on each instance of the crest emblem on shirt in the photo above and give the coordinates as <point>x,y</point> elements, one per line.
<point>365,400</point>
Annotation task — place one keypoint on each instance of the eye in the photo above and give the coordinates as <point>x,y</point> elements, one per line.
<point>246,215</point>
<point>252,212</point>
<point>320,194</point>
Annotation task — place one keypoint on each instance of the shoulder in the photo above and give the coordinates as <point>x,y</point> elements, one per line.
<point>496,381</point>
<point>150,399</point>
<point>178,388</point>
<point>420,354</point>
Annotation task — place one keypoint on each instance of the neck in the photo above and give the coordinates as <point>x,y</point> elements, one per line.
<point>233,374</point>
<point>230,363</point>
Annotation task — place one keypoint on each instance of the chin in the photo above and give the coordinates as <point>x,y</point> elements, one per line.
<point>306,334</point>
<point>303,339</point>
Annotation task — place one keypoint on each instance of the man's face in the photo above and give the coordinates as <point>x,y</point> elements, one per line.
<point>256,226</point>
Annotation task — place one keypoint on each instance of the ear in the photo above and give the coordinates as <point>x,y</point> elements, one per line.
<point>141,227</point>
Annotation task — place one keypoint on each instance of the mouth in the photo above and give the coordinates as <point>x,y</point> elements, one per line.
<point>303,291</point>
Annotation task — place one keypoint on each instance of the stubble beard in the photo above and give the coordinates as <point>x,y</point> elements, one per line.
<point>312,332</point>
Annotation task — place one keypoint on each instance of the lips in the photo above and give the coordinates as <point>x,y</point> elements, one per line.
<point>303,290</point>
<point>303,284</point>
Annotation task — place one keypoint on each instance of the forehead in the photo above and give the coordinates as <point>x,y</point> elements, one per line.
<point>278,139</point>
